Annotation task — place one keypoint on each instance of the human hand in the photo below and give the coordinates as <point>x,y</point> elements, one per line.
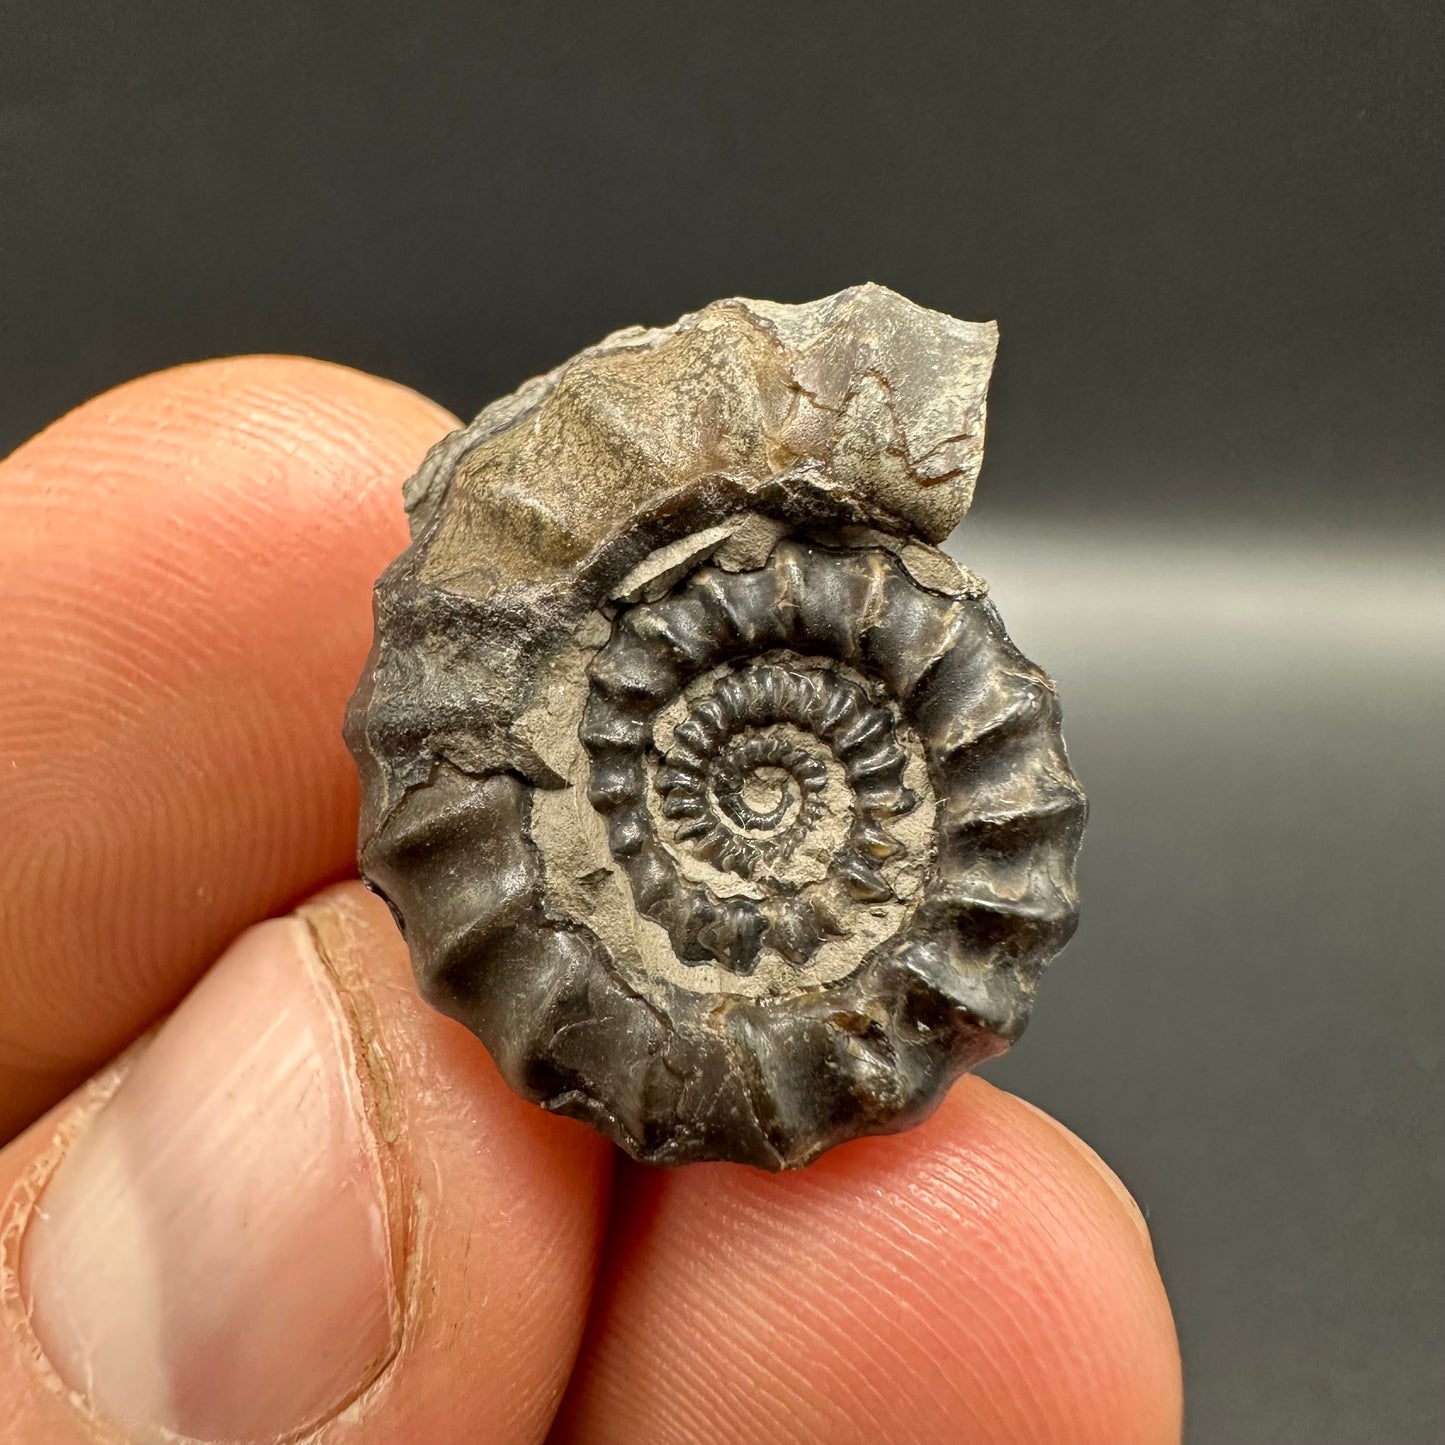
<point>305,1204</point>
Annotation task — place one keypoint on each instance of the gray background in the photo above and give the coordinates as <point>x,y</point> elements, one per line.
<point>1212,502</point>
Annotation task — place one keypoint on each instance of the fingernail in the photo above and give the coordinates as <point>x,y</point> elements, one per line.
<point>213,1255</point>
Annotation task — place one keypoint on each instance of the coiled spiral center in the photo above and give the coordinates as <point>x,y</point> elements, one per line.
<point>770,758</point>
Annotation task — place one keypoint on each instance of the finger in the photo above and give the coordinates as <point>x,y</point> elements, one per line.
<point>309,1201</point>
<point>982,1279</point>
<point>185,580</point>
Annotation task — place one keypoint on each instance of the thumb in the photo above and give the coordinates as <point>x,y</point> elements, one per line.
<point>306,1201</point>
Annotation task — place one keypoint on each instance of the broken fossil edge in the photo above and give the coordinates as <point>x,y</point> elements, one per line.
<point>707,791</point>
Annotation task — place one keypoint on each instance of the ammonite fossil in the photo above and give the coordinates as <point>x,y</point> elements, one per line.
<point>708,792</point>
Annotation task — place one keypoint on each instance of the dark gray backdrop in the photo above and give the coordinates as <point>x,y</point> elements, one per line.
<point>1212,502</point>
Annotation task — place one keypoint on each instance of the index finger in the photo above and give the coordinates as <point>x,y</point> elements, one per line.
<point>185,578</point>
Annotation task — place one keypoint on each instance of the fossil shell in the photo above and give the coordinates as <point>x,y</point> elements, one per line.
<point>708,794</point>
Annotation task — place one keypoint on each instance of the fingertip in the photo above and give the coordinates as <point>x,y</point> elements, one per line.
<point>979,1278</point>
<point>186,565</point>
